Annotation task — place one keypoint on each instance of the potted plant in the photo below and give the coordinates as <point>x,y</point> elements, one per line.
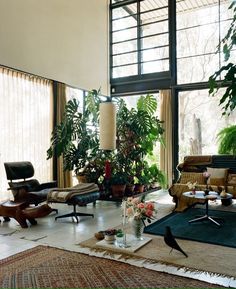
<point>76,137</point>
<point>118,184</point>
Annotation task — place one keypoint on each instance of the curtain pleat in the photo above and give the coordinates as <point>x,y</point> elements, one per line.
<point>26,123</point>
<point>166,151</point>
<point>64,178</point>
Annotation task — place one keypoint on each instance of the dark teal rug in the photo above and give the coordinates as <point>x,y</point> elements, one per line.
<point>205,231</point>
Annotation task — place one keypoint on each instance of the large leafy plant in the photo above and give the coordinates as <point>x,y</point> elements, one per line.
<point>138,130</point>
<point>76,137</point>
<point>227,71</point>
<point>227,140</point>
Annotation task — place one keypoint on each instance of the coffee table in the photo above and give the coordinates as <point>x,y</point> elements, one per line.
<point>200,195</point>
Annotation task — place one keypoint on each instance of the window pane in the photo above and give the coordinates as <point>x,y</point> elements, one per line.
<point>124,23</point>
<point>125,59</point>
<point>155,66</point>
<point>154,54</point>
<point>124,11</point>
<point>124,34</point>
<point>124,47</point>
<point>197,40</point>
<point>125,70</point>
<point>76,93</point>
<point>150,4</point>
<point>152,41</point>
<point>26,116</point>
<point>155,28</point>
<point>200,121</point>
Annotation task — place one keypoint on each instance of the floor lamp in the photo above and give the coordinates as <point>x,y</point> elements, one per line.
<point>107,138</point>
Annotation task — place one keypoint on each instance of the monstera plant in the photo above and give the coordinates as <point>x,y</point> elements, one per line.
<point>138,130</point>
<point>76,137</point>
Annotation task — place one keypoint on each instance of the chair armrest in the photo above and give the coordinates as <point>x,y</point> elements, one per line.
<point>47,185</point>
<point>18,187</point>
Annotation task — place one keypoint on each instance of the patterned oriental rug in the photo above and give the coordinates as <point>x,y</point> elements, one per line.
<point>47,267</point>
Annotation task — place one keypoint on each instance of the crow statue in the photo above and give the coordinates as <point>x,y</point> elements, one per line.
<point>171,242</point>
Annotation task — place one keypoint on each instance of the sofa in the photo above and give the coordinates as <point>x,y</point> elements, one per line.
<point>212,172</point>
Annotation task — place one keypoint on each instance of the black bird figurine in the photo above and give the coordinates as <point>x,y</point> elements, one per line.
<point>171,242</point>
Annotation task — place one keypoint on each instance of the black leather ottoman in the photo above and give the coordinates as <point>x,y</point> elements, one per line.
<point>80,200</point>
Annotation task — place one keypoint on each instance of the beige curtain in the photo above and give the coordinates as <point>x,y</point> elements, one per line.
<point>166,151</point>
<point>64,178</point>
<point>26,105</point>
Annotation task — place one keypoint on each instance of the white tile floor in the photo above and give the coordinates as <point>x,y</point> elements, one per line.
<point>66,234</point>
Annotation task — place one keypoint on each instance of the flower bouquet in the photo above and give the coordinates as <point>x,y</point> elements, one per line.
<point>137,211</point>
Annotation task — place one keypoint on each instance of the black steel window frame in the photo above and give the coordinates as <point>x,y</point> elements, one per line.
<point>151,83</point>
<point>141,82</point>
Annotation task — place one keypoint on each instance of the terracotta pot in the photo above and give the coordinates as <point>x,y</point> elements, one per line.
<point>118,191</point>
<point>139,188</point>
<point>129,190</point>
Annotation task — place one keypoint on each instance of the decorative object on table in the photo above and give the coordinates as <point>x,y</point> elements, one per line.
<point>110,235</point>
<point>171,242</point>
<point>119,238</point>
<point>223,194</point>
<point>99,235</point>
<point>192,187</point>
<point>137,212</point>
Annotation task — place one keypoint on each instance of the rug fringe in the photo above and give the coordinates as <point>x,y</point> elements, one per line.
<point>161,266</point>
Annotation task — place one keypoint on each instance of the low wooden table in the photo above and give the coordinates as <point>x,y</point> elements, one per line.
<point>210,196</point>
<point>21,212</point>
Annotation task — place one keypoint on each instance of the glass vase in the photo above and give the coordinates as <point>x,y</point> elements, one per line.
<point>137,227</point>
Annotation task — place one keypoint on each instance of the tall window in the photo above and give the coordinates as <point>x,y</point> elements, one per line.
<point>200,27</point>
<point>139,37</point>
<point>26,123</point>
<point>200,121</point>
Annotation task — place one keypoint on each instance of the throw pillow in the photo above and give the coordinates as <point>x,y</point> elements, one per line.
<point>217,176</point>
<point>232,179</point>
<point>192,177</point>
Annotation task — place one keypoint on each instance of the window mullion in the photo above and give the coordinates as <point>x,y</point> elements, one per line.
<point>139,35</point>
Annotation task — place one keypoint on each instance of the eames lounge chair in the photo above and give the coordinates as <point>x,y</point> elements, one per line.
<point>27,190</point>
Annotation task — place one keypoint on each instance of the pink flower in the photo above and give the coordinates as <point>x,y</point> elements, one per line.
<point>150,206</point>
<point>206,174</point>
<point>141,205</point>
<point>135,201</point>
<point>149,213</point>
<point>129,211</point>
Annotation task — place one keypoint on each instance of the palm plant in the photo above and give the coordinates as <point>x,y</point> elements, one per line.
<point>227,140</point>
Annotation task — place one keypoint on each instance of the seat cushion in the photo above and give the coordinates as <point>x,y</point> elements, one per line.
<point>84,199</point>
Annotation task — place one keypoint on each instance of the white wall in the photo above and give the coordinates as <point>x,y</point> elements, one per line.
<point>64,40</point>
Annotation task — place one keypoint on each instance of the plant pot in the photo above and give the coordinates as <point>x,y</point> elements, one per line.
<point>139,188</point>
<point>110,239</point>
<point>129,190</point>
<point>118,191</point>
<point>81,179</point>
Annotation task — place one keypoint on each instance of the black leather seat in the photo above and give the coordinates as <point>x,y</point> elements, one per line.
<point>25,189</point>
